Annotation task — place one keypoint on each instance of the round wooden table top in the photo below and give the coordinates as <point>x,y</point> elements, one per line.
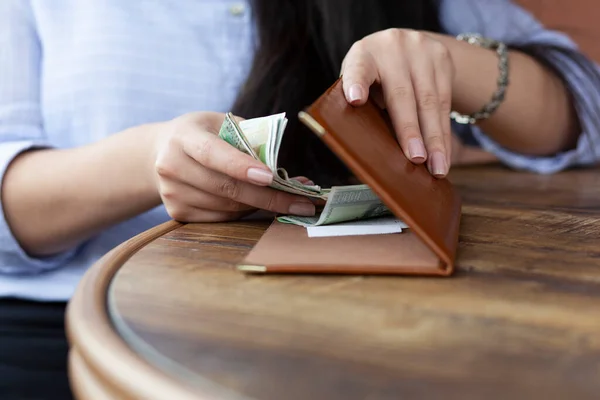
<point>167,316</point>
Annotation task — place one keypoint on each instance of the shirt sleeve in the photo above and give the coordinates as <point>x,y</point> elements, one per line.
<point>505,21</point>
<point>21,125</point>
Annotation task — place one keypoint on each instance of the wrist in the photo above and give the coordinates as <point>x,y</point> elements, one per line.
<point>142,143</point>
<point>476,74</point>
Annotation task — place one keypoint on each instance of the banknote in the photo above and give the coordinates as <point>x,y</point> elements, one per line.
<point>261,138</point>
<point>230,133</point>
<point>344,203</point>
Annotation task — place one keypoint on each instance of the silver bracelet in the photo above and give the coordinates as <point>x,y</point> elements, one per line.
<point>498,96</point>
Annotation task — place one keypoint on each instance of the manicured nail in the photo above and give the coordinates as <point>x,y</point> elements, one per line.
<point>260,176</point>
<point>439,167</point>
<point>304,182</point>
<point>355,93</point>
<point>416,149</point>
<point>304,209</point>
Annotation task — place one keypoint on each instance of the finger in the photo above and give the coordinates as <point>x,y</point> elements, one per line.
<point>216,154</point>
<point>428,108</point>
<point>319,203</point>
<point>183,195</point>
<point>358,74</point>
<point>303,180</point>
<point>444,75</point>
<point>399,98</point>
<point>225,186</point>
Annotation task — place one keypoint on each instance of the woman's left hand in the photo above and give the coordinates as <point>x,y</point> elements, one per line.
<point>411,74</point>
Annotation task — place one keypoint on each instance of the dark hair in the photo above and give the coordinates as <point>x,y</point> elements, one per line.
<point>301,47</point>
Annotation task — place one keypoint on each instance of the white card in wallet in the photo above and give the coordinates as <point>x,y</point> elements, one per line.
<point>373,226</point>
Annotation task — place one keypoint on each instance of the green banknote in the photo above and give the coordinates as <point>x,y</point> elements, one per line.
<point>344,203</point>
<point>230,132</point>
<point>261,138</point>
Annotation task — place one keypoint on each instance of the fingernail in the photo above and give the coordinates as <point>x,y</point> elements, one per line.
<point>439,167</point>
<point>355,93</point>
<point>416,149</point>
<point>260,176</point>
<point>305,209</point>
<point>306,182</point>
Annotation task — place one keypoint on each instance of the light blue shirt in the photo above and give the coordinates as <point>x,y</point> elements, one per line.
<point>75,71</point>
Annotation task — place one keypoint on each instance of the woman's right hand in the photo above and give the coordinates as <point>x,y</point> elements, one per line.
<point>202,178</point>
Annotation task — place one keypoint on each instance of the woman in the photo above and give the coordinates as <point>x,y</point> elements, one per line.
<point>108,114</point>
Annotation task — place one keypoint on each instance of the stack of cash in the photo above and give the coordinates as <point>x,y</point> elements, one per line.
<point>261,138</point>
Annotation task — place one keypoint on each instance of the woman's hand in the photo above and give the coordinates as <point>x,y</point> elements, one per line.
<point>413,75</point>
<point>202,178</point>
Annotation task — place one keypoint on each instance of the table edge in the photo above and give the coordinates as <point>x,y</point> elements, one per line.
<point>94,341</point>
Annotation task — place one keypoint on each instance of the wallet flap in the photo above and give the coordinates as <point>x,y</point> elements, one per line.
<point>287,248</point>
<point>363,138</point>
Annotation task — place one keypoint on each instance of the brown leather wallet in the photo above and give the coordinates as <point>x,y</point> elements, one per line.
<point>362,137</point>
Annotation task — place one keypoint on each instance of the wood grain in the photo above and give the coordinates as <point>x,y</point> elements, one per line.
<point>101,365</point>
<point>519,319</point>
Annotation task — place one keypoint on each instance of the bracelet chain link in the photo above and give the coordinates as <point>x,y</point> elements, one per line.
<point>502,82</point>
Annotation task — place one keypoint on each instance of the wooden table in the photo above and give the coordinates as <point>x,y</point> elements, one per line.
<point>167,316</point>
